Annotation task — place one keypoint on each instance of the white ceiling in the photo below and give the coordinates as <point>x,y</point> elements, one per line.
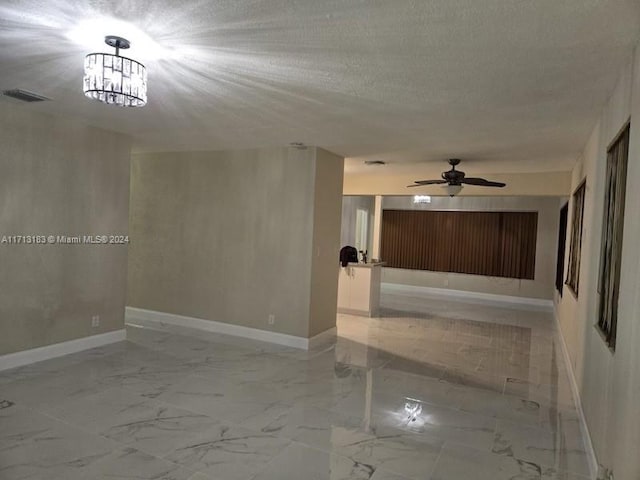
<point>505,84</point>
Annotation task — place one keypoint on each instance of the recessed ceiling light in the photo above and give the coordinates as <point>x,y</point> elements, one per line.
<point>298,145</point>
<point>375,162</point>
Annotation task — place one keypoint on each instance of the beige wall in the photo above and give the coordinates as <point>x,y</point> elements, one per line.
<point>59,177</point>
<point>546,247</point>
<point>327,212</point>
<point>609,383</point>
<point>552,184</point>
<point>229,236</point>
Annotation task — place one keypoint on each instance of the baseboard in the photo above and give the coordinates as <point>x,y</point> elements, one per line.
<point>26,357</point>
<point>475,297</point>
<point>322,338</point>
<point>132,313</point>
<point>584,429</point>
<point>359,313</point>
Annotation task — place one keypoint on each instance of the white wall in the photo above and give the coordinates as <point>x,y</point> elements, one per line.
<point>60,177</point>
<point>609,383</point>
<point>542,286</point>
<point>350,206</point>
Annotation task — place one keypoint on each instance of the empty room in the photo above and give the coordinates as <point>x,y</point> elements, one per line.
<point>320,240</point>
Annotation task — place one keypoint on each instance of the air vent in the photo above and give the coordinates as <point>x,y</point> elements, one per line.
<point>375,162</point>
<point>24,95</point>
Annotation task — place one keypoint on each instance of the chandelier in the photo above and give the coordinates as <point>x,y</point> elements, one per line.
<point>114,79</point>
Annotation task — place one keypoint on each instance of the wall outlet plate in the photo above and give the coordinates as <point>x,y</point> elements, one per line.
<point>95,321</point>
<point>272,319</point>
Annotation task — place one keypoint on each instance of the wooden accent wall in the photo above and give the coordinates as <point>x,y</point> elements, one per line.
<point>498,244</point>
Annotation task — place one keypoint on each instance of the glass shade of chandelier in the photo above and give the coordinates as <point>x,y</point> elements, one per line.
<point>114,79</point>
<point>453,189</point>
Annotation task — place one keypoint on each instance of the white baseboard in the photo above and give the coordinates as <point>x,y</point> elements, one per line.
<point>476,297</point>
<point>132,313</point>
<point>322,338</point>
<point>47,352</point>
<point>584,429</point>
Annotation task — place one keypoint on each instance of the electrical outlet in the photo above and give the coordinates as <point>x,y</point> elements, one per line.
<point>95,321</point>
<point>272,319</point>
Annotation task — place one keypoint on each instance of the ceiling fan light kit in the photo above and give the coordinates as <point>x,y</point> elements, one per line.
<point>114,79</point>
<point>453,190</point>
<point>453,180</point>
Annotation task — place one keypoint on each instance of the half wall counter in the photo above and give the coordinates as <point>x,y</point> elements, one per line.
<point>359,289</point>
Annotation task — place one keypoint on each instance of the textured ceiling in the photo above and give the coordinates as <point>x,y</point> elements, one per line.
<point>507,84</point>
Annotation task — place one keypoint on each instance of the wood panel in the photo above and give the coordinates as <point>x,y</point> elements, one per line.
<point>499,244</point>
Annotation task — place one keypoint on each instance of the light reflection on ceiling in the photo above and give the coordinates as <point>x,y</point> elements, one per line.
<point>518,83</point>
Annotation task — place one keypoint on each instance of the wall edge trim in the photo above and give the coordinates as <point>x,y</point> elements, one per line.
<point>584,429</point>
<point>475,297</point>
<point>47,352</point>
<point>132,313</point>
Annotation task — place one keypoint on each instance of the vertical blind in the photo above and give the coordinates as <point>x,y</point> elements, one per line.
<point>500,244</point>
<point>612,230</point>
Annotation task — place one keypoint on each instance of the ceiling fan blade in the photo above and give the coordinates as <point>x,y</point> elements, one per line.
<point>418,183</point>
<point>481,182</point>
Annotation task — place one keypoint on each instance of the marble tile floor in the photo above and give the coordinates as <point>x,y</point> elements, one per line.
<point>431,390</point>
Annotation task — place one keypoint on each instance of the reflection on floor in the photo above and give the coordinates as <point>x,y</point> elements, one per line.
<point>450,391</point>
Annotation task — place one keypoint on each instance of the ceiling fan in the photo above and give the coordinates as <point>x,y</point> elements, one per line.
<point>455,178</point>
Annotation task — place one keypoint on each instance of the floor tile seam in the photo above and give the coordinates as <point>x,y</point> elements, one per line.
<point>126,446</point>
<point>374,437</point>
<point>76,398</point>
<point>161,403</point>
<point>465,371</point>
<point>495,432</point>
<point>201,358</point>
<point>328,451</point>
<point>498,455</point>
<point>547,466</point>
<point>438,436</point>
<point>421,316</point>
<point>158,350</point>
<point>80,428</point>
<point>224,376</point>
<point>435,463</point>
<point>539,429</point>
<point>501,350</point>
<point>10,371</point>
<point>543,403</point>
<point>227,423</point>
<point>165,403</point>
<point>164,456</point>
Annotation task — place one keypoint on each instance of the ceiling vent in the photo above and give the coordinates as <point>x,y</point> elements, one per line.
<point>24,95</point>
<point>375,162</point>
